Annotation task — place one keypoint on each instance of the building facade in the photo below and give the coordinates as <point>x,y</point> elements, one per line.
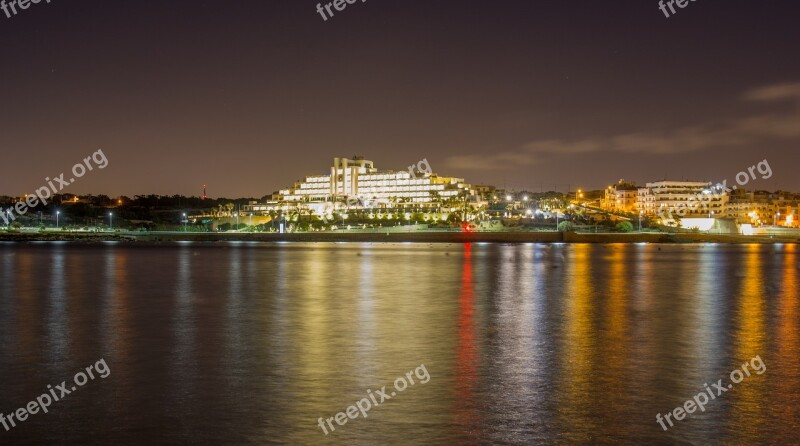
<point>681,198</point>
<point>355,183</point>
<point>621,197</point>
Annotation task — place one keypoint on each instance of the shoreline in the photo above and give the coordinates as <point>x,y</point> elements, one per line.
<point>394,237</point>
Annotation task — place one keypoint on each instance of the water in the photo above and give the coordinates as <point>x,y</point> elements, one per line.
<point>523,344</point>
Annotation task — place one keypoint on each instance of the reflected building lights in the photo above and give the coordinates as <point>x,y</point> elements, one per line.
<point>466,374</point>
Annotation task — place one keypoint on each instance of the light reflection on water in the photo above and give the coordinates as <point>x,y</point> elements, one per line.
<point>525,344</point>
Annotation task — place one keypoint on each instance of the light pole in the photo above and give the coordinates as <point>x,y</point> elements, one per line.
<point>57,214</point>
<point>110,220</point>
<point>640,221</point>
<point>184,221</point>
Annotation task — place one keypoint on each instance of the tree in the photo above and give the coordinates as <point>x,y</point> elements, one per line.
<point>566,226</point>
<point>624,226</point>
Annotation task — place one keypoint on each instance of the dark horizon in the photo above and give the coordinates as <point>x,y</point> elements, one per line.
<point>248,98</point>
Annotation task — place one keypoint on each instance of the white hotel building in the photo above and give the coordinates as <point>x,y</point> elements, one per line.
<point>356,183</point>
<point>687,198</point>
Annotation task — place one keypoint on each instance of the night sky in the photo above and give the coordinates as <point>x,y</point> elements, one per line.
<point>250,95</point>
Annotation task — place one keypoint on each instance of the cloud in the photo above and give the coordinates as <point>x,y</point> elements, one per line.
<point>734,133</point>
<point>498,161</point>
<point>774,92</point>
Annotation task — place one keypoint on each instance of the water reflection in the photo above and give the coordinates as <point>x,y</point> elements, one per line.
<point>576,384</point>
<point>783,366</point>
<point>466,372</point>
<point>58,327</point>
<point>525,344</point>
<point>746,400</point>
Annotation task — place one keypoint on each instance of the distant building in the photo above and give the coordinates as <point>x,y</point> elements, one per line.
<point>486,192</point>
<point>788,215</point>
<point>750,212</point>
<point>355,183</point>
<point>681,198</point>
<point>621,197</point>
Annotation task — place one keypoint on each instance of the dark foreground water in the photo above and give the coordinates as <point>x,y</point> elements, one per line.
<point>506,344</point>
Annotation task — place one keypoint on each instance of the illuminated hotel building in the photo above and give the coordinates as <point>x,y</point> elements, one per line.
<point>358,183</point>
<point>697,198</point>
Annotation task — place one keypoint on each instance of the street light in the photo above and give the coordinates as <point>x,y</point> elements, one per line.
<point>57,214</point>
<point>640,220</point>
<point>184,221</point>
<point>110,220</point>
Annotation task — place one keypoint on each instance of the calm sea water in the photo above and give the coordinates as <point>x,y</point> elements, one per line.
<point>523,344</point>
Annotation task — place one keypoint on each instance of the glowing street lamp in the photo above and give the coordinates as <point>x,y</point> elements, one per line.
<point>184,221</point>
<point>110,220</point>
<point>57,214</point>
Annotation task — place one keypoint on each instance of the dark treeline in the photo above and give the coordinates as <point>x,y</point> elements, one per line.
<point>139,210</point>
